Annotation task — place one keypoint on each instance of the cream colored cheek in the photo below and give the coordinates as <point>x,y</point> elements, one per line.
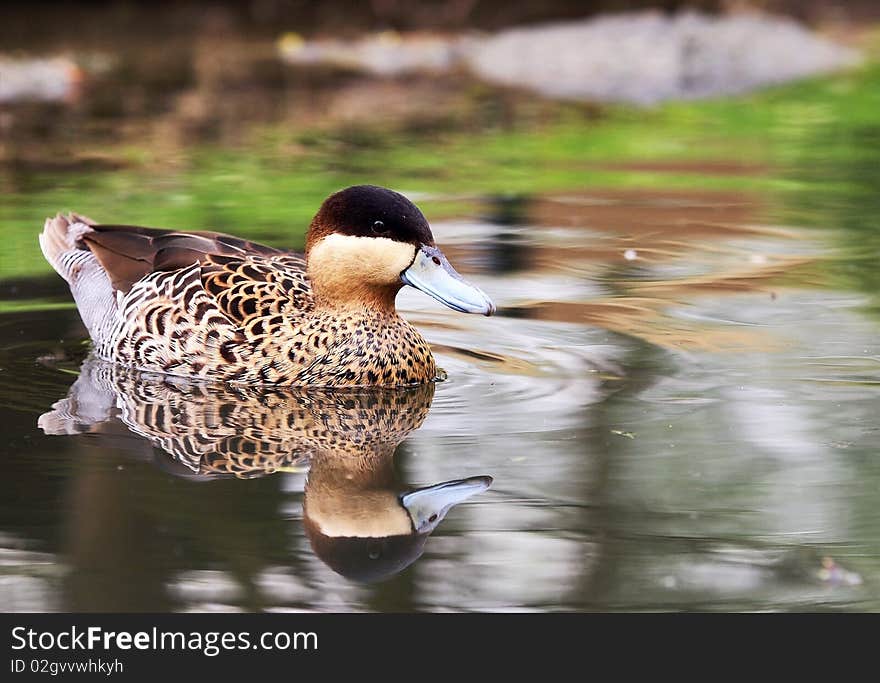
<point>384,260</point>
<point>377,260</point>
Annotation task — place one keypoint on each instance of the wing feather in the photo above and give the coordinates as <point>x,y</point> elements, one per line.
<point>129,253</point>
<point>193,302</point>
<point>246,279</point>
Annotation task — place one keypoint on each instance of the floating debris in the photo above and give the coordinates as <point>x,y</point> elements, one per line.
<point>835,575</point>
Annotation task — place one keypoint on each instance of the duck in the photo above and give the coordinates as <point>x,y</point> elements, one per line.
<point>215,307</point>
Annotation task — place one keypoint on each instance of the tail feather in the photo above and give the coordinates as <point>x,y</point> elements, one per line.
<point>66,251</point>
<point>61,240</point>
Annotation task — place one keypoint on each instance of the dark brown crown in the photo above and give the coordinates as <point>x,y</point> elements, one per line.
<point>370,211</point>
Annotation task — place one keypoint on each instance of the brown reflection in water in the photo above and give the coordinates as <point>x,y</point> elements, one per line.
<point>647,320</point>
<point>360,520</point>
<point>644,248</point>
<point>659,226</point>
<point>112,556</point>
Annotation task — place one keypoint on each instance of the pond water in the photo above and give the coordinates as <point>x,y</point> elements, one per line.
<point>666,426</point>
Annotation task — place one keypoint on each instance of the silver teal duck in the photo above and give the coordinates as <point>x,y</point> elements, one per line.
<point>216,307</point>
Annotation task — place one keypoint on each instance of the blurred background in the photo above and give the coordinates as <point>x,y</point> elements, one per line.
<point>675,205</point>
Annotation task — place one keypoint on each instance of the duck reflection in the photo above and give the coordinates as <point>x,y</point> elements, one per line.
<point>360,520</point>
<point>363,526</point>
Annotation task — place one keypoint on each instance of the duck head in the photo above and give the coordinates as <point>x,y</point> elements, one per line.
<point>367,242</point>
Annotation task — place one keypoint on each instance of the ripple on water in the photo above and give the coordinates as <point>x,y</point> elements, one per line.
<point>501,368</point>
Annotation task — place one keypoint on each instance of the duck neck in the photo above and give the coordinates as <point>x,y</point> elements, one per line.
<point>347,297</point>
<point>341,284</point>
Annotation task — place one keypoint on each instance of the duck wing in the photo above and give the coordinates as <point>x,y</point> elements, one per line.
<point>192,304</point>
<point>247,280</point>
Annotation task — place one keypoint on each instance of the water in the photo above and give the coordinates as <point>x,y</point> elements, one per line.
<point>673,431</point>
<point>676,403</point>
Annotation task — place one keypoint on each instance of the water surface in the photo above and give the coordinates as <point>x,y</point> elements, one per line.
<point>674,415</point>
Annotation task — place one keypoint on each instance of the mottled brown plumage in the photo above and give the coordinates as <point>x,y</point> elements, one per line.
<point>217,307</point>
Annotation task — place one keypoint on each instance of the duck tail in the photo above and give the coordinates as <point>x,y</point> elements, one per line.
<point>61,242</point>
<point>66,251</point>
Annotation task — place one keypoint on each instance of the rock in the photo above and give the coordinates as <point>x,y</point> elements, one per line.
<point>52,79</point>
<point>648,57</point>
<point>641,57</point>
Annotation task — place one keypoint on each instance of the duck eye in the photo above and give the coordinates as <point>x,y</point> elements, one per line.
<point>378,228</point>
